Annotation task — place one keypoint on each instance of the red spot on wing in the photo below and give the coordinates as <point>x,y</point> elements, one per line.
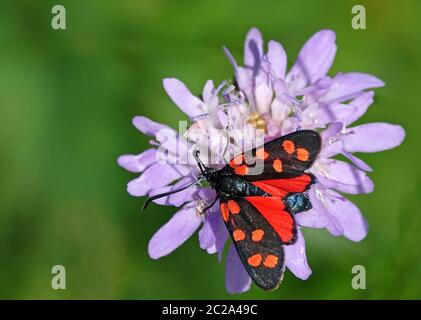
<point>257,235</point>
<point>270,261</point>
<point>241,170</point>
<point>255,260</point>
<point>224,211</point>
<point>273,210</point>
<point>261,154</point>
<point>229,207</point>
<point>288,146</point>
<point>281,187</point>
<point>238,235</point>
<point>233,207</point>
<point>302,154</point>
<point>277,165</point>
<point>238,160</point>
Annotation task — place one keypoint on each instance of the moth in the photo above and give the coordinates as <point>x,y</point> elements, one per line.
<point>258,203</point>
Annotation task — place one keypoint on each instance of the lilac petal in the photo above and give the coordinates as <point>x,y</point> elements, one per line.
<point>209,96</point>
<point>281,89</point>
<point>290,124</point>
<point>148,180</point>
<point>213,234</point>
<point>207,236</point>
<point>332,149</point>
<point>296,259</point>
<point>230,57</point>
<point>253,49</point>
<point>314,59</point>
<point>208,90</point>
<point>170,140</point>
<point>279,111</point>
<point>207,194</point>
<point>273,130</point>
<point>347,174</point>
<point>137,163</point>
<point>244,79</point>
<point>373,137</point>
<point>313,92</point>
<point>361,103</point>
<point>237,279</point>
<point>183,98</point>
<point>331,146</point>
<point>277,58</point>
<point>346,86</point>
<point>318,216</point>
<point>357,161</point>
<point>312,219</point>
<point>176,199</point>
<point>147,126</point>
<point>264,96</point>
<point>332,130</point>
<point>212,249</point>
<point>221,233</point>
<point>366,186</point>
<point>198,133</point>
<point>334,112</point>
<point>221,239</point>
<point>222,118</point>
<point>175,232</point>
<point>354,225</point>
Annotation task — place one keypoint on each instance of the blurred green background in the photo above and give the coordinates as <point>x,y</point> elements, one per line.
<point>66,103</point>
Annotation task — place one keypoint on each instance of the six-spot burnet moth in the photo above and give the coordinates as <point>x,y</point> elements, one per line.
<point>258,207</point>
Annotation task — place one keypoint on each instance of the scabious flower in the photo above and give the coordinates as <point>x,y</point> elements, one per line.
<point>265,102</point>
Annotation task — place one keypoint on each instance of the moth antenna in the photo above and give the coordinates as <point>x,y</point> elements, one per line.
<point>161,195</point>
<point>202,167</point>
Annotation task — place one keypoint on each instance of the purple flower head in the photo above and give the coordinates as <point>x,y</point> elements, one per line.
<point>266,102</point>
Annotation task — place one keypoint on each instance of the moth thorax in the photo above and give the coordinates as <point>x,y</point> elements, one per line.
<point>257,121</point>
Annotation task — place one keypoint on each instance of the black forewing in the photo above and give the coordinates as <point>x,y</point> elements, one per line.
<point>249,220</point>
<point>290,154</point>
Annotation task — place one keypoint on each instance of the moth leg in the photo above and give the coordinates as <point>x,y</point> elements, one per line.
<point>209,206</point>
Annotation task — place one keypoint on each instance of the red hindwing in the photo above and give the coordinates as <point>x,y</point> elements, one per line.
<point>273,210</point>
